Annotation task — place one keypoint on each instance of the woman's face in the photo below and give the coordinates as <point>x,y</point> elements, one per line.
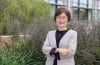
<point>62,20</point>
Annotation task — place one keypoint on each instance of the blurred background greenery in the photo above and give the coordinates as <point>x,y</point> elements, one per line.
<point>21,13</point>
<point>33,18</point>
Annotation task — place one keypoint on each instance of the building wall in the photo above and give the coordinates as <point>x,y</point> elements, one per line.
<point>80,9</point>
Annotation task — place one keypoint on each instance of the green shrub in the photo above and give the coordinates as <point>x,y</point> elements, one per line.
<point>21,13</point>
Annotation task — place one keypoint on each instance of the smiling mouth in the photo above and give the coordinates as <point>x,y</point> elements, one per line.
<point>61,23</point>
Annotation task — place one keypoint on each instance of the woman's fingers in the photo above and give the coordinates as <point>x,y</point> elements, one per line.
<point>63,51</point>
<point>66,52</point>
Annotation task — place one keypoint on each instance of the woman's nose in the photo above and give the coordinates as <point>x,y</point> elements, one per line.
<point>61,20</point>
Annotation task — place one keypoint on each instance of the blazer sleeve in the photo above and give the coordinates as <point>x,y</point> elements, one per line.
<point>72,45</point>
<point>46,48</point>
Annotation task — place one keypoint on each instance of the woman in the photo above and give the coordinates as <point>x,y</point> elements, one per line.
<point>60,45</point>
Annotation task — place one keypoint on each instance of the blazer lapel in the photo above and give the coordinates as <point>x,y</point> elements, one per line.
<point>54,38</point>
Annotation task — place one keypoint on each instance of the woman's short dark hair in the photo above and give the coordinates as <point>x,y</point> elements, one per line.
<point>60,11</point>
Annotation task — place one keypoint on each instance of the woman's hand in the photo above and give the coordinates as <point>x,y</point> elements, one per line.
<point>62,51</point>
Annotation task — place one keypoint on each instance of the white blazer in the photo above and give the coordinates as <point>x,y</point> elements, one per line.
<point>69,41</point>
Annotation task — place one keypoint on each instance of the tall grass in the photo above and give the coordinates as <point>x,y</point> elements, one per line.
<point>21,52</point>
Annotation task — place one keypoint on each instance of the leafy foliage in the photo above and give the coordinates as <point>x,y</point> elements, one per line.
<point>21,52</point>
<point>22,11</point>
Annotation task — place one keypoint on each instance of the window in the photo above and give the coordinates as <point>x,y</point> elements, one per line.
<point>90,3</point>
<point>75,14</point>
<point>90,15</point>
<point>52,1</point>
<point>55,4</point>
<point>83,3</point>
<point>98,4</point>
<point>83,14</point>
<point>98,15</point>
<point>53,10</point>
<point>61,2</point>
<point>75,3</point>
